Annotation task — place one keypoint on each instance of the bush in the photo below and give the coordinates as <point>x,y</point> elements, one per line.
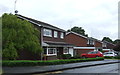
<point>42,63</point>
<point>117,57</point>
<point>76,57</point>
<point>108,57</point>
<point>66,56</point>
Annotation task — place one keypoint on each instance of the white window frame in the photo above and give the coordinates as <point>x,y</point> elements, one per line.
<point>55,34</point>
<point>91,42</point>
<point>54,53</point>
<point>104,45</point>
<point>62,35</point>
<point>45,31</point>
<point>88,42</point>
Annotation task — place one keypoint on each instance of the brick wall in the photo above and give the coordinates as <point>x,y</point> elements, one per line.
<point>98,44</point>
<point>76,40</point>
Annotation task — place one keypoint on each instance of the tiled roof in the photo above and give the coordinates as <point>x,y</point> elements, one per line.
<point>77,34</point>
<point>40,23</point>
<point>108,42</point>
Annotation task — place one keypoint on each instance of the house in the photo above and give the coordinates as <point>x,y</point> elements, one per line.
<point>82,43</point>
<point>108,45</point>
<point>52,39</point>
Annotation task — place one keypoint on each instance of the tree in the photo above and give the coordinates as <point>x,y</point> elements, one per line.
<point>18,35</point>
<point>116,41</point>
<point>107,39</point>
<point>78,30</point>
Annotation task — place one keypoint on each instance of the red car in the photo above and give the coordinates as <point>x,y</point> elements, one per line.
<point>92,54</point>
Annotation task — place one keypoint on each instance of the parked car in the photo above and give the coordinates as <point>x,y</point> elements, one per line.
<point>92,54</point>
<point>112,54</point>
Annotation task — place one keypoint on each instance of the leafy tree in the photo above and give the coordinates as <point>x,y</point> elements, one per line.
<point>18,35</point>
<point>116,41</point>
<point>78,30</point>
<point>107,39</point>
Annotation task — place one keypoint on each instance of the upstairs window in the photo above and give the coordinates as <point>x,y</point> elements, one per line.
<point>47,32</point>
<point>104,45</point>
<point>55,34</point>
<point>90,42</point>
<point>62,36</point>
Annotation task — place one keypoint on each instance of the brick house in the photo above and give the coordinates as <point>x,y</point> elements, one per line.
<point>82,43</point>
<point>107,46</point>
<point>52,39</point>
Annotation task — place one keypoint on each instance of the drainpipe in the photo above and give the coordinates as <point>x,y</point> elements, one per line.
<point>41,40</point>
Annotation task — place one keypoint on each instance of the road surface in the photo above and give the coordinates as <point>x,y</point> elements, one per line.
<point>108,69</point>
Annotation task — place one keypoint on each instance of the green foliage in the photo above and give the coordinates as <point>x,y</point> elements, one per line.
<point>76,57</point>
<point>117,57</point>
<point>66,56</point>
<point>108,57</point>
<point>18,35</point>
<point>78,30</point>
<point>116,41</point>
<point>107,39</point>
<point>10,52</point>
<point>49,62</point>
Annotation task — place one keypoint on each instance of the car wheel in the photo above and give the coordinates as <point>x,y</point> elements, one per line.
<point>83,57</point>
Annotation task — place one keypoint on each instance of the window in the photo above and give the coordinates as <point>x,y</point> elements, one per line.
<point>104,44</point>
<point>47,32</point>
<point>65,51</point>
<point>52,51</point>
<point>62,36</point>
<point>55,34</point>
<point>45,50</point>
<point>91,42</point>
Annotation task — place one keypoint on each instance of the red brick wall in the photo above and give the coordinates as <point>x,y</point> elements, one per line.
<point>110,46</point>
<point>80,51</point>
<point>76,40</point>
<point>98,44</point>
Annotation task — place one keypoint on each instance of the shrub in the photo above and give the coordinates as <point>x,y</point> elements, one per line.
<point>66,56</point>
<point>108,57</point>
<point>117,57</point>
<point>76,57</point>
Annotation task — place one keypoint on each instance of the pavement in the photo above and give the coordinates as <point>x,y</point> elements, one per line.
<point>52,68</point>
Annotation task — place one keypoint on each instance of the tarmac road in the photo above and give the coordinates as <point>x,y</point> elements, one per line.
<point>108,69</point>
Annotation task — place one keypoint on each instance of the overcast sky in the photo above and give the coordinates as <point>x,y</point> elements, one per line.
<point>99,18</point>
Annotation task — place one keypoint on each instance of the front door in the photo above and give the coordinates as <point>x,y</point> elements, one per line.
<point>59,51</point>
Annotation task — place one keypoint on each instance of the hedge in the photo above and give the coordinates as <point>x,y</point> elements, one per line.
<point>109,57</point>
<point>12,63</point>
